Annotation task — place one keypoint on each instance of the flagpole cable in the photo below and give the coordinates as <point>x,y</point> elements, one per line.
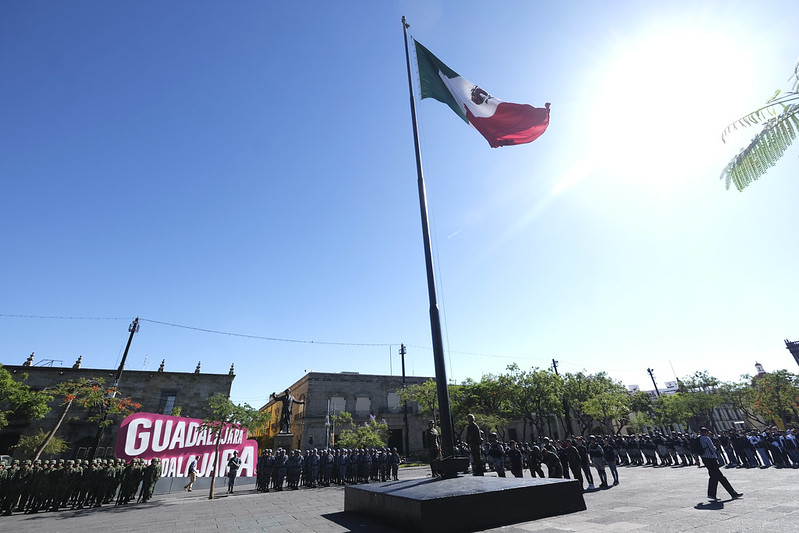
<point>447,430</point>
<point>437,262</point>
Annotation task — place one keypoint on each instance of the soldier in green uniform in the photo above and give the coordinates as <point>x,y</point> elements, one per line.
<point>433,445</point>
<point>474,439</point>
<point>56,483</point>
<point>25,479</point>
<point>573,460</point>
<point>3,482</point>
<point>152,473</point>
<point>37,485</point>
<point>551,459</point>
<point>125,483</point>
<point>10,489</point>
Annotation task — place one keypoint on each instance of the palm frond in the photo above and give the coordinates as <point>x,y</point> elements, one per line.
<point>764,151</point>
<point>780,119</point>
<point>773,106</point>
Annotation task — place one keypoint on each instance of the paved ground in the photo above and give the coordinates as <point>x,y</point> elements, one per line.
<point>648,499</point>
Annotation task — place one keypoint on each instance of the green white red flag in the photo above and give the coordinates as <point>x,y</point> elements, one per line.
<point>501,123</point>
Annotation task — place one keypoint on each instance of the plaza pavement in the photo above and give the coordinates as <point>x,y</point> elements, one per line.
<point>662,499</point>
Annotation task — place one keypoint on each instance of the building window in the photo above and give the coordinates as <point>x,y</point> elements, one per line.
<point>394,403</point>
<point>337,404</point>
<point>167,403</point>
<point>363,406</point>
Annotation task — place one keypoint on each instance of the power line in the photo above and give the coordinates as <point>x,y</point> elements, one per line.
<point>204,330</point>
<point>259,337</point>
<point>266,338</point>
<point>2,315</point>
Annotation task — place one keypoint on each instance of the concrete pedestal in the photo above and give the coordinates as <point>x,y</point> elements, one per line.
<point>284,440</point>
<point>465,503</point>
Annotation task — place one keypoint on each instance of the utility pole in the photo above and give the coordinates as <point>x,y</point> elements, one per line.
<point>327,426</point>
<point>566,408</point>
<point>651,375</point>
<point>405,404</point>
<point>133,328</point>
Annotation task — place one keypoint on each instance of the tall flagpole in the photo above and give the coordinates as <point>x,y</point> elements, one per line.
<point>447,432</point>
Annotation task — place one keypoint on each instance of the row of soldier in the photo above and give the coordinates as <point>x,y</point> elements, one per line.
<point>735,449</point>
<point>34,486</point>
<point>560,458</point>
<point>757,449</point>
<point>325,467</point>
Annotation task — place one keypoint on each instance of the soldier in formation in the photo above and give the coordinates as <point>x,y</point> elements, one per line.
<point>50,485</point>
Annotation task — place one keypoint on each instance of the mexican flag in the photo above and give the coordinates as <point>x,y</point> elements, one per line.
<point>501,123</point>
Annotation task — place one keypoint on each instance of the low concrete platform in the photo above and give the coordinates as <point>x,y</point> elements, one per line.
<point>464,503</point>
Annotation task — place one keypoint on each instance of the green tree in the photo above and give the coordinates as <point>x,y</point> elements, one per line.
<point>780,122</point>
<point>677,408</point>
<point>370,434</point>
<point>90,394</point>
<point>29,445</point>
<point>18,399</point>
<point>611,404</point>
<point>582,391</point>
<point>487,400</point>
<point>700,391</point>
<point>533,395</point>
<point>641,412</point>
<point>776,395</point>
<point>220,412</point>
<point>639,421</point>
<point>740,396</point>
<point>424,394</point>
<point>459,407</point>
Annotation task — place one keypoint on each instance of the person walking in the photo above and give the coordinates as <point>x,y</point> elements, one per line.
<point>192,474</point>
<point>710,459</point>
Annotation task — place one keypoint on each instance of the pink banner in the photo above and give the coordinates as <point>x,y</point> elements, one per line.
<point>177,440</point>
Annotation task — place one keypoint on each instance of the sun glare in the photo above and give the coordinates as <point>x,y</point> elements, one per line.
<point>658,105</point>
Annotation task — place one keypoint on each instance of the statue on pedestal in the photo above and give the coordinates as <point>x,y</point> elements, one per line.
<point>285,413</point>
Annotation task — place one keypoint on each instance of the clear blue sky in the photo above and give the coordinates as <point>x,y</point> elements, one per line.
<point>248,167</point>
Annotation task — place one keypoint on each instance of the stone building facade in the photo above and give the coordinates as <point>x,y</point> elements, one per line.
<point>157,391</point>
<point>361,395</point>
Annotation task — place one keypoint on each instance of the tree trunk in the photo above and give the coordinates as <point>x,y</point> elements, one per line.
<point>216,459</point>
<point>53,431</point>
<point>524,430</point>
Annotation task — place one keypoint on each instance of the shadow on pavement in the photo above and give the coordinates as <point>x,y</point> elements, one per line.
<point>710,506</point>
<point>355,522</point>
<point>105,509</point>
